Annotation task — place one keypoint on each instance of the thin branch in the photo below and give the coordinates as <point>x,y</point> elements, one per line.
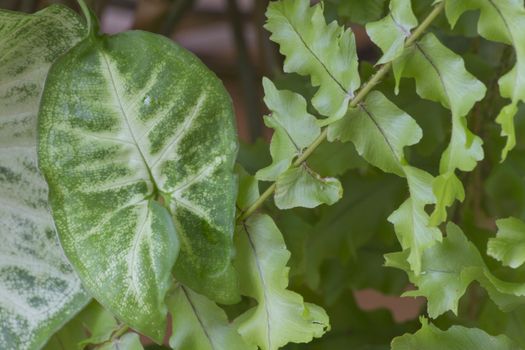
<point>363,92</point>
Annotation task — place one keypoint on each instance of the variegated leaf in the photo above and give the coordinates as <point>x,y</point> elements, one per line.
<point>39,290</point>
<point>138,144</point>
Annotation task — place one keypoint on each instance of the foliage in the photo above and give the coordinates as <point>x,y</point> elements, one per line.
<point>118,183</point>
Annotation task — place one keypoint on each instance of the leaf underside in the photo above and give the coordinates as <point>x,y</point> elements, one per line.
<point>39,291</point>
<point>137,144</point>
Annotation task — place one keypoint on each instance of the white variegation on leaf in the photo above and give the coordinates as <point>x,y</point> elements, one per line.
<point>137,142</point>
<point>281,315</point>
<point>39,291</point>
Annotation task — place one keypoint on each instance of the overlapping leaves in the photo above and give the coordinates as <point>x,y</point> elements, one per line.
<point>429,337</point>
<point>500,21</point>
<point>281,316</point>
<point>325,52</point>
<point>295,130</point>
<point>441,76</point>
<point>448,268</point>
<point>138,154</point>
<point>198,323</point>
<point>39,291</point>
<point>391,32</point>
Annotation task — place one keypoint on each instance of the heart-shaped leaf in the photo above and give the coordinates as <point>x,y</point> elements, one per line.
<point>137,142</point>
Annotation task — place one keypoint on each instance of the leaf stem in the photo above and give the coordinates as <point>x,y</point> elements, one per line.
<point>87,14</point>
<point>361,95</point>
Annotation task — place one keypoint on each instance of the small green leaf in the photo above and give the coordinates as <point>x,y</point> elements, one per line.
<point>429,337</point>
<point>198,323</point>
<point>411,221</point>
<point>93,325</point>
<point>281,316</point>
<point>509,244</point>
<point>447,188</point>
<point>441,76</point>
<point>325,52</point>
<point>302,187</point>
<point>391,32</point>
<point>129,341</point>
<point>500,21</point>
<point>447,269</point>
<point>295,129</point>
<point>137,142</point>
<point>39,291</point>
<point>379,131</point>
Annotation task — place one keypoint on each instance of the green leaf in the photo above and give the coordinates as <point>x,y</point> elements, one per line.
<point>281,316</point>
<point>429,337</point>
<point>39,291</point>
<point>447,269</point>
<point>198,323</point>
<point>391,32</point>
<point>137,142</point>
<point>93,325</point>
<point>129,341</point>
<point>379,131</point>
<point>302,187</point>
<point>325,52</point>
<point>509,245</point>
<point>441,76</point>
<point>411,221</point>
<point>295,129</point>
<point>500,21</point>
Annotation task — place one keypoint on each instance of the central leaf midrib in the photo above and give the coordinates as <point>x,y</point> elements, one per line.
<point>263,281</point>
<point>156,190</point>
<point>197,316</point>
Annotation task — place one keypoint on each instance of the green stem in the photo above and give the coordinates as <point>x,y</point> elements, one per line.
<point>87,14</point>
<point>363,92</point>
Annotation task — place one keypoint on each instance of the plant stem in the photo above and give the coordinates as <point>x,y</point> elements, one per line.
<point>363,92</point>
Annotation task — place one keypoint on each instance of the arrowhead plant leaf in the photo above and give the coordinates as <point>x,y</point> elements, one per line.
<point>324,52</point>
<point>500,21</point>
<point>137,143</point>
<point>39,291</point>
